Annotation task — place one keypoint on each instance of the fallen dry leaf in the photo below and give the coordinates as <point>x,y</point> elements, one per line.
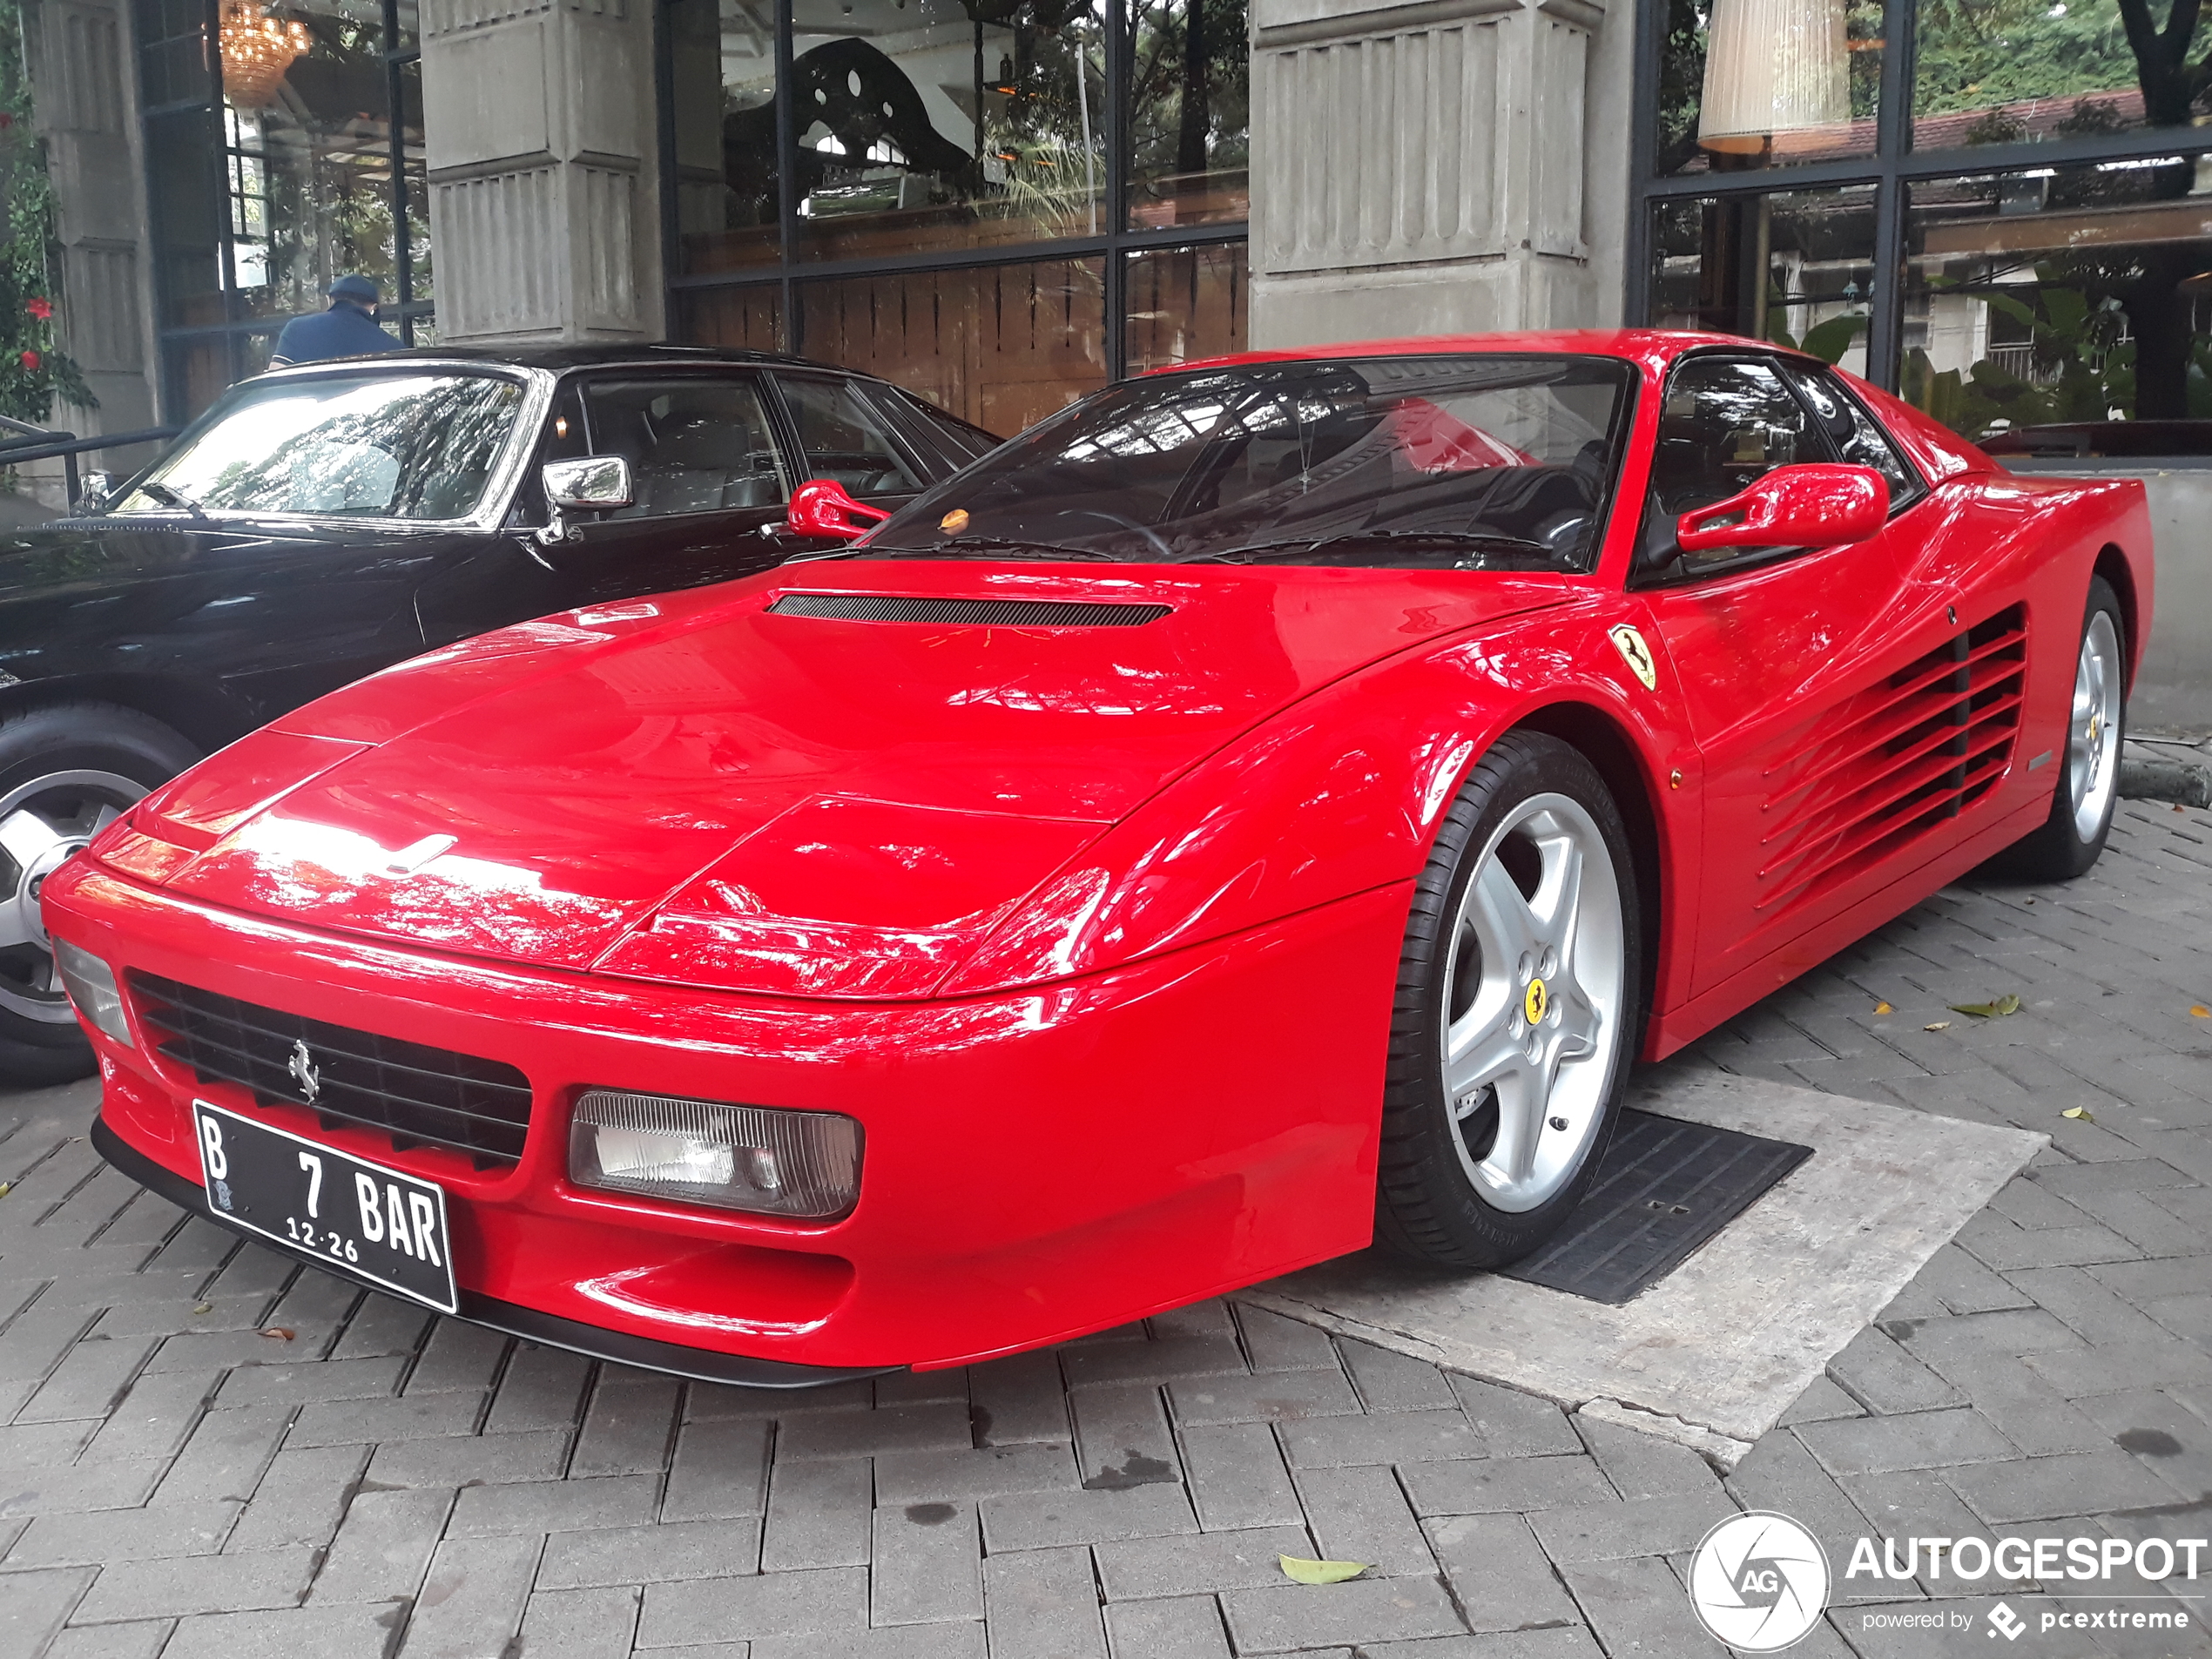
<point>203,1307</point>
<point>1883,1008</point>
<point>2080,1113</point>
<point>281,1332</point>
<point>2199,1011</point>
<point>1940,1025</point>
<point>1306,1572</point>
<point>6,1187</point>
<point>2006,1004</point>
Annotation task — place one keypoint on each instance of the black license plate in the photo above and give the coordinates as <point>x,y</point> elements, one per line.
<point>386,1226</point>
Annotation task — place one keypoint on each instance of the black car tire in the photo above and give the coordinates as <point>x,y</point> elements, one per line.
<point>2085,788</point>
<point>1446,1194</point>
<point>74,761</point>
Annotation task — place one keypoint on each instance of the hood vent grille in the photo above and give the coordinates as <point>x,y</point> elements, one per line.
<point>966,613</point>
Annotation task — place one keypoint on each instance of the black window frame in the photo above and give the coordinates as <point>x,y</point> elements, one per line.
<point>789,272</point>
<point>1894,168</point>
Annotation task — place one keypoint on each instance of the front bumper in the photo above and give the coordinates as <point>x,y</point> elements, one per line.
<point>1038,1164</point>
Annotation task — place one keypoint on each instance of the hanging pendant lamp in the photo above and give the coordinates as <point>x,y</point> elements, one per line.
<point>258,49</point>
<point>1773,67</point>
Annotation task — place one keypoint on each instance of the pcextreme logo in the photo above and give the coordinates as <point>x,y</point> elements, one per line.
<point>1758,1582</point>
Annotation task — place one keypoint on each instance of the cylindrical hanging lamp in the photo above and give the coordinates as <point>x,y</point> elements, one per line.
<point>1773,67</point>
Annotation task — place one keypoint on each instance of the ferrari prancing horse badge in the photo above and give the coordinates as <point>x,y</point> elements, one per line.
<point>1636,654</point>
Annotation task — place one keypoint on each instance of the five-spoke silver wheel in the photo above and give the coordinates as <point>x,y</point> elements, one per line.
<point>1534,987</point>
<point>42,822</point>
<point>2092,728</point>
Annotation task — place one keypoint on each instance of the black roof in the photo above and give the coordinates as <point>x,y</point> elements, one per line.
<point>556,358</point>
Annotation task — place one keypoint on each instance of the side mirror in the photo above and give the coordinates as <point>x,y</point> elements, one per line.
<point>93,492</point>
<point>821,507</point>
<point>1814,505</point>
<point>589,483</point>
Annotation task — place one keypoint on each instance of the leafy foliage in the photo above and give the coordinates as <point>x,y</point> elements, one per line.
<point>1974,54</point>
<point>33,374</point>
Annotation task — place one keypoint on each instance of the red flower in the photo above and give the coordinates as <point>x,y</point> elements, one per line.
<point>41,309</point>
<point>30,361</point>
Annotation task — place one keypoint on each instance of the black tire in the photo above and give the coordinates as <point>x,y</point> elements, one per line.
<point>1431,1203</point>
<point>2061,849</point>
<point>74,744</point>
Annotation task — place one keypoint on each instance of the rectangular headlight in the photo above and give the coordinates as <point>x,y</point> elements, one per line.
<point>772,1162</point>
<point>91,984</point>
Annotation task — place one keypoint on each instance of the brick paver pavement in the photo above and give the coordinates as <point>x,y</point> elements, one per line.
<point>175,1482</point>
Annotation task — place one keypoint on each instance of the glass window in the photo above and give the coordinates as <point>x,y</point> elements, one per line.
<point>955,442</point>
<point>1189,93</point>
<point>1464,462</point>
<point>843,438</point>
<point>1002,345</point>
<point>938,124</point>
<point>1726,423</point>
<point>354,446</point>
<point>746,318</point>
<point>695,444</point>
<point>1851,432</point>
<point>722,86</point>
<point>1185,304</point>
<point>2058,297</point>
<point>1795,268</point>
<point>1768,83</point>
<point>2014,71</point>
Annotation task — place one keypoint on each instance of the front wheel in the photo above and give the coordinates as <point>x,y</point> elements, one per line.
<point>2088,790</point>
<point>66,772</point>
<point>1517,994</point>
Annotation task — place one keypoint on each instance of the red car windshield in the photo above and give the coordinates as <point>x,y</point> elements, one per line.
<point>1472,462</point>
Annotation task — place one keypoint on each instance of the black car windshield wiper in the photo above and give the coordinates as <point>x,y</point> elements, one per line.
<point>979,547</point>
<point>1291,548</point>
<point>169,497</point>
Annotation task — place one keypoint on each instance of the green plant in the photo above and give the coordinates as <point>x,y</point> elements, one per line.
<point>33,373</point>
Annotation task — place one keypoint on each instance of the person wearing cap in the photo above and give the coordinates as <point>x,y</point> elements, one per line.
<point>347,329</point>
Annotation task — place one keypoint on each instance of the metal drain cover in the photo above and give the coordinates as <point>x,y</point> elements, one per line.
<point>1664,1188</point>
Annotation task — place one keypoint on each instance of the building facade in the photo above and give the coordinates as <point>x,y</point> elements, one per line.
<point>2001,207</point>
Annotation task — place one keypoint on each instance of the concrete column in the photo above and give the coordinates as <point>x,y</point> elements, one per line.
<point>544,196</point>
<point>1436,167</point>
<point>82,88</point>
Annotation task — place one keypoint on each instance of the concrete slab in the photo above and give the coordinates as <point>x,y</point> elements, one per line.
<point>1715,1352</point>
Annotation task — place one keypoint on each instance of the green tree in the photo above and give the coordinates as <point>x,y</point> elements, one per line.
<point>32,373</point>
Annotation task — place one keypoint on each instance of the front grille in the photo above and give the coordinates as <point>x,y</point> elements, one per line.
<point>970,613</point>
<point>415,1094</point>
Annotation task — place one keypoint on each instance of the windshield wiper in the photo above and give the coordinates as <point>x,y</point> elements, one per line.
<point>169,497</point>
<point>979,547</point>
<point>1293,547</point>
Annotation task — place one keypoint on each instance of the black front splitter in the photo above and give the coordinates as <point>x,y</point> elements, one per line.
<point>701,1364</point>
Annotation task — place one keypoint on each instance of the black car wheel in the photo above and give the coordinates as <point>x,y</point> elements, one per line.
<point>66,771</point>
<point>1516,1013</point>
<point>2087,787</point>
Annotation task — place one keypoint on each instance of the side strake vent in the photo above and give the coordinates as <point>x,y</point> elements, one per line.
<point>1893,762</point>
<point>966,613</point>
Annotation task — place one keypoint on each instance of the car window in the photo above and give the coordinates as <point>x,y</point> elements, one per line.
<point>694,444</point>
<point>844,438</point>
<point>1726,422</point>
<point>1857,441</point>
<point>960,442</point>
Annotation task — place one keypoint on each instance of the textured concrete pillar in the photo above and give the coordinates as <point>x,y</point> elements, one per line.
<point>538,118</point>
<point>1432,167</point>
<point>82,96</point>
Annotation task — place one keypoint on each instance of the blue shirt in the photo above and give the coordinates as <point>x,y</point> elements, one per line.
<point>343,331</point>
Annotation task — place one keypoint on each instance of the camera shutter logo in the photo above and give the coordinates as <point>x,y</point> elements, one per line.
<point>1758,1582</point>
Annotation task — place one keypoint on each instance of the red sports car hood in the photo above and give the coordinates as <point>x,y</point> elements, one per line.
<point>833,781</point>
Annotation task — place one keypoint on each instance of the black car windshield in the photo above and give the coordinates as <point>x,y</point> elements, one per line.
<point>1471,461</point>
<point>367,445</point>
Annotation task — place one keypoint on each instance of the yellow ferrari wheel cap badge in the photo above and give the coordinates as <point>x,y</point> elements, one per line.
<point>1535,1002</point>
<point>1636,654</point>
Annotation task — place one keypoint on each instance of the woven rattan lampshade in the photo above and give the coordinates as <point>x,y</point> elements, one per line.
<point>257,49</point>
<point>1773,67</point>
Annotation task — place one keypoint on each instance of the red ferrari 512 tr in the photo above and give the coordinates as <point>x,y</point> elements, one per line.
<point>1265,806</point>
